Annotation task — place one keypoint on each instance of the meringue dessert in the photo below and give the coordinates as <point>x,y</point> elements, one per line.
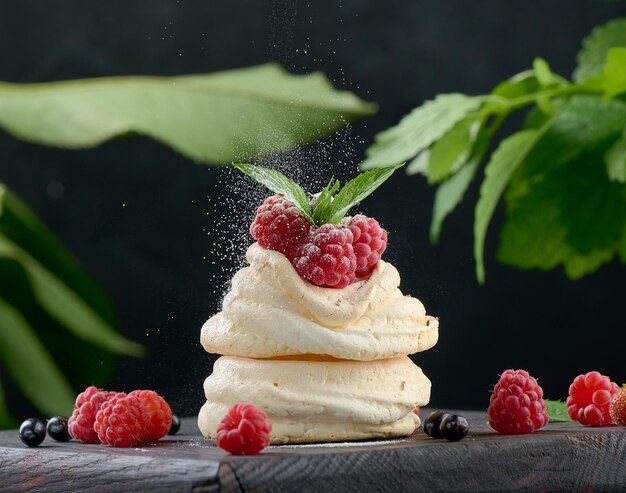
<point>324,363</point>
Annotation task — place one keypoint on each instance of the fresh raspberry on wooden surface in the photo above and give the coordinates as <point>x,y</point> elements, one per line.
<point>589,398</point>
<point>119,421</point>
<point>245,430</point>
<point>369,242</point>
<point>155,413</point>
<point>617,407</point>
<point>279,225</point>
<point>327,257</point>
<point>516,405</point>
<point>80,423</point>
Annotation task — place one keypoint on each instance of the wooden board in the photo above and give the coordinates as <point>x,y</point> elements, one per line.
<point>562,457</point>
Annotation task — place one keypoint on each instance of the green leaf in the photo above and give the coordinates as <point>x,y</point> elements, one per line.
<point>557,411</point>
<point>504,161</point>
<point>452,150</point>
<point>279,183</point>
<point>615,72</point>
<point>564,217</point>
<point>592,56</point>
<point>214,118</point>
<point>544,75</point>
<point>615,159</point>
<point>358,189</point>
<point>57,280</point>
<point>450,193</point>
<point>418,130</point>
<point>29,364</point>
<point>323,210</point>
<point>522,84</point>
<point>419,164</point>
<point>66,306</point>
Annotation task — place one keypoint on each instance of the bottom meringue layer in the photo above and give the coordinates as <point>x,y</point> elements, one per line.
<point>319,401</point>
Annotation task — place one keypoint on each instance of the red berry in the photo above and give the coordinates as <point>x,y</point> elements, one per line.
<point>369,243</point>
<point>279,225</point>
<point>245,430</point>
<point>617,407</point>
<point>88,402</point>
<point>327,258</point>
<point>156,415</point>
<point>589,398</point>
<point>119,421</point>
<point>417,411</point>
<point>517,404</point>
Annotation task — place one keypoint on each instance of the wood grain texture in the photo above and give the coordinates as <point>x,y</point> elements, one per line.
<point>562,457</point>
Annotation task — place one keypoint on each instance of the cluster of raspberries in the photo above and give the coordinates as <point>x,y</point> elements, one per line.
<point>119,419</point>
<point>517,404</point>
<point>333,255</point>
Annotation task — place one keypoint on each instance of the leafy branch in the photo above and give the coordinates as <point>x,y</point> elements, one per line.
<point>562,175</point>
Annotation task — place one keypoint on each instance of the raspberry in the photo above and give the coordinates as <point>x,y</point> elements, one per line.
<point>80,424</point>
<point>327,257</point>
<point>617,407</point>
<point>156,415</point>
<point>516,405</point>
<point>119,422</point>
<point>279,225</point>
<point>370,241</point>
<point>589,398</point>
<point>245,430</point>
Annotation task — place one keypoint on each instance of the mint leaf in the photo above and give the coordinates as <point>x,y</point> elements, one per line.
<point>279,183</point>
<point>521,84</point>
<point>504,161</point>
<point>563,217</point>
<point>419,164</point>
<point>592,56</point>
<point>544,75</point>
<point>615,160</point>
<point>615,72</point>
<point>450,193</point>
<point>418,130</point>
<point>557,411</point>
<point>356,190</point>
<point>322,210</point>
<point>451,151</point>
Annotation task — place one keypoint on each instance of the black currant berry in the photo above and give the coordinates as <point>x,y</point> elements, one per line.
<point>57,428</point>
<point>432,422</point>
<point>453,427</point>
<point>175,425</point>
<point>32,432</point>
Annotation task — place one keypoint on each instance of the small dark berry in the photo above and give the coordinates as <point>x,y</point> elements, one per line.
<point>175,425</point>
<point>32,432</point>
<point>432,422</point>
<point>453,427</point>
<point>57,428</point>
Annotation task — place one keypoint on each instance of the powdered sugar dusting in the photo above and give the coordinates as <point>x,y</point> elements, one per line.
<point>369,443</point>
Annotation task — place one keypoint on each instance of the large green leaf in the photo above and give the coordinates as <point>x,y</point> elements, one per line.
<point>215,118</point>
<point>504,162</point>
<point>418,130</point>
<point>30,366</point>
<point>569,217</point>
<point>52,272</point>
<point>592,56</point>
<point>614,72</point>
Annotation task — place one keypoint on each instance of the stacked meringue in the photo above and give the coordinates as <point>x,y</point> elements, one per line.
<point>324,364</point>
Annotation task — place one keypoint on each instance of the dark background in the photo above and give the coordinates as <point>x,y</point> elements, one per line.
<point>143,220</point>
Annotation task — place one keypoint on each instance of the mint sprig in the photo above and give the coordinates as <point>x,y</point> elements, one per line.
<point>333,203</point>
<point>561,175</point>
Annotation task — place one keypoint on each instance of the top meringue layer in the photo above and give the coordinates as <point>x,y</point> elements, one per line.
<point>271,311</point>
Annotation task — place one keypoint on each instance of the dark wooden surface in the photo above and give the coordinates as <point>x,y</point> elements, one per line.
<point>562,457</point>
